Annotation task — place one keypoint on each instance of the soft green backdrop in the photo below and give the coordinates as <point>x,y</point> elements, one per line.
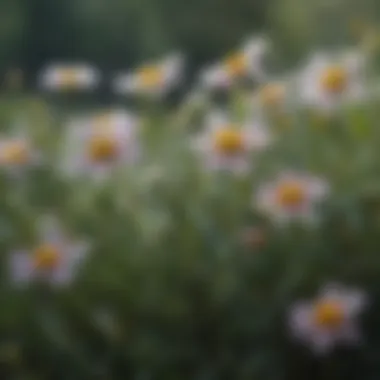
<point>118,33</point>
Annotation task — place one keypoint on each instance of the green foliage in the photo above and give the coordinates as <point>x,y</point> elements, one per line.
<point>12,20</point>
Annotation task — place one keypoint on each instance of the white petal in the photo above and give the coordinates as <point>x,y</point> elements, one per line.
<point>300,321</point>
<point>173,70</point>
<point>213,161</point>
<point>89,77</point>
<point>255,48</point>
<point>317,188</point>
<point>218,162</point>
<point>309,83</point>
<point>21,267</point>
<point>354,301</point>
<point>130,154</point>
<point>99,172</point>
<point>62,276</point>
<point>73,257</point>
<point>322,342</point>
<point>239,165</point>
<point>215,78</point>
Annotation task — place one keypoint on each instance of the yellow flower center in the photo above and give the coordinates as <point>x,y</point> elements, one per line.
<point>15,153</point>
<point>329,314</point>
<point>46,256</point>
<point>68,78</point>
<point>272,94</point>
<point>150,76</point>
<point>102,148</point>
<point>334,79</point>
<point>229,141</point>
<point>290,194</point>
<point>236,65</point>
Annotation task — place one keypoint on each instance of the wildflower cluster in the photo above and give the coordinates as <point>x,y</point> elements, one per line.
<point>183,246</point>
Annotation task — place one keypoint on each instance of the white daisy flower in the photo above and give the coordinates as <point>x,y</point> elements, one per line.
<point>291,196</point>
<point>246,63</point>
<point>96,145</point>
<point>228,146</point>
<point>54,259</point>
<point>329,80</point>
<point>153,79</point>
<point>329,320</point>
<point>64,77</point>
<point>17,153</point>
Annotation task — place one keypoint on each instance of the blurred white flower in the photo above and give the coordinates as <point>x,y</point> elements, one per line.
<point>330,80</point>
<point>153,79</point>
<point>246,63</point>
<point>54,259</point>
<point>17,152</point>
<point>272,95</point>
<point>95,145</point>
<point>291,196</point>
<point>329,320</point>
<point>68,77</point>
<point>225,145</point>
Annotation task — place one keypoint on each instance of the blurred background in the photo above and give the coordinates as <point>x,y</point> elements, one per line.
<point>117,34</point>
<point>184,324</point>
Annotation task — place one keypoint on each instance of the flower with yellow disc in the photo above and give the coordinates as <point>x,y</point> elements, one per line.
<point>226,145</point>
<point>97,144</point>
<point>331,80</point>
<point>54,259</point>
<point>245,63</point>
<point>69,77</point>
<point>329,320</point>
<point>17,153</point>
<point>291,196</point>
<point>153,78</point>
